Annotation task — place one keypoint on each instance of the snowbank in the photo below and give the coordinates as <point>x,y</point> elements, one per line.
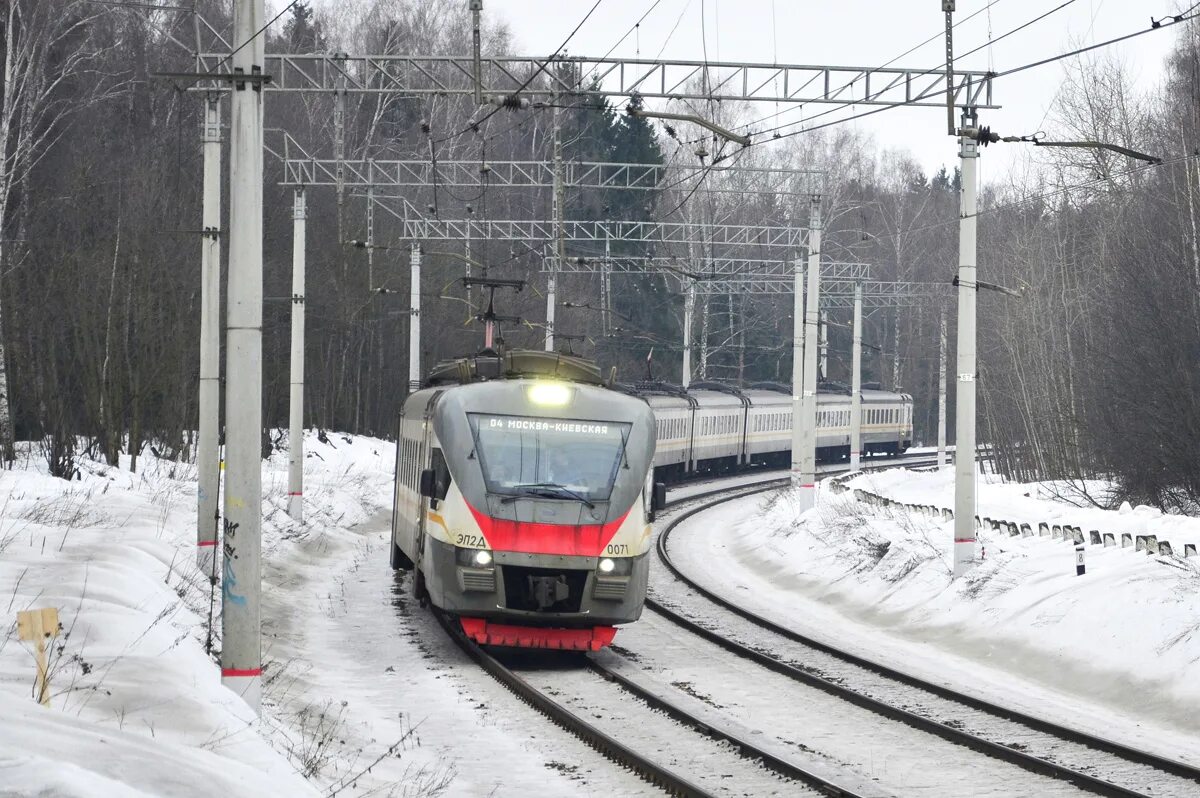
<point>136,704</point>
<point>1113,651</point>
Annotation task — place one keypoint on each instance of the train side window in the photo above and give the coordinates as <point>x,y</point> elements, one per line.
<point>441,475</point>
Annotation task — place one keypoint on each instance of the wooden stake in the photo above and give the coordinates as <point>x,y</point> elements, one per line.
<point>38,626</point>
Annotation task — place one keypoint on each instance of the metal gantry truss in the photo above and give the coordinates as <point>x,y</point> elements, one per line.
<point>713,271</point>
<point>669,79</point>
<point>650,233</point>
<point>306,170</point>
<point>875,294</point>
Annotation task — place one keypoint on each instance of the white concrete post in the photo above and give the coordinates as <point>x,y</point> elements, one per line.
<point>605,288</point>
<point>689,309</point>
<point>370,237</point>
<point>467,254</point>
<point>559,249</point>
<point>808,415</point>
<point>941,417</point>
<point>208,458</point>
<point>823,366</point>
<point>964,415</point>
<point>414,328</point>
<point>856,384</point>
<point>296,399</point>
<point>797,366</point>
<point>241,650</point>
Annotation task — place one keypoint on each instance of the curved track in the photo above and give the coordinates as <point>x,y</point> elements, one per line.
<point>777,775</point>
<point>1090,763</point>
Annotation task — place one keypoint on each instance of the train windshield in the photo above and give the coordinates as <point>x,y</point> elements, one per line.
<point>549,457</point>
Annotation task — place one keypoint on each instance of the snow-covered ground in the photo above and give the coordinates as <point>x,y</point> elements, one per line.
<point>363,695</point>
<point>1114,652</point>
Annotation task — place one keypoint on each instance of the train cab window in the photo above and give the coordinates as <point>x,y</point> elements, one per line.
<point>522,456</point>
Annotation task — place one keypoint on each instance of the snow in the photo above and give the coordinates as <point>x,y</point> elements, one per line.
<point>1112,652</point>
<point>362,693</point>
<point>136,704</point>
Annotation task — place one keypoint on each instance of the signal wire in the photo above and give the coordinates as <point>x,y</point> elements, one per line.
<point>1187,15</point>
<point>931,71</point>
<point>869,72</point>
<point>540,69</point>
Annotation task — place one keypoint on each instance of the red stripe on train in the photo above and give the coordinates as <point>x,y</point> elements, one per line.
<point>528,537</point>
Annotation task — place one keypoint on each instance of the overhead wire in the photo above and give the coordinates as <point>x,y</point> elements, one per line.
<point>930,71</point>
<point>866,73</point>
<point>540,69</point>
<point>1187,15</point>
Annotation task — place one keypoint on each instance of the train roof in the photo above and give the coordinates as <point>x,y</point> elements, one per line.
<point>513,364</point>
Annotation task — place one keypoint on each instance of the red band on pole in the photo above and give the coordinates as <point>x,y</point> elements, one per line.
<point>241,672</point>
<point>296,493</point>
<point>809,485</point>
<point>964,540</point>
<point>207,543</point>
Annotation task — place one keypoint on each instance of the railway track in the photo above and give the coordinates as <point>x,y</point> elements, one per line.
<point>639,729</point>
<point>1090,763</point>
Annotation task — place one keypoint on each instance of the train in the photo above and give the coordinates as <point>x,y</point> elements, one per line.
<point>523,499</point>
<point>526,484</point>
<point>713,428</point>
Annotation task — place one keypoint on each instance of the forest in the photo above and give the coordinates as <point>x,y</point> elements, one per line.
<point>1089,374</point>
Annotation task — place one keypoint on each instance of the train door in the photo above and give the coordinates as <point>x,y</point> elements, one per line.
<point>425,489</point>
<point>399,560</point>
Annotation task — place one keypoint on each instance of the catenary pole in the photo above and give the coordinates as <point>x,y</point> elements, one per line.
<point>856,383</point>
<point>823,366</point>
<point>208,455</point>
<point>808,416</point>
<point>296,399</point>
<point>941,433</point>
<point>797,366</point>
<point>414,309</point>
<point>689,308</point>
<point>241,651</point>
<point>559,245</point>
<point>964,415</point>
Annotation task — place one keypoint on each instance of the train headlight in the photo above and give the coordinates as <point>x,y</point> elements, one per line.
<point>474,558</point>
<point>615,566</point>
<point>549,394</point>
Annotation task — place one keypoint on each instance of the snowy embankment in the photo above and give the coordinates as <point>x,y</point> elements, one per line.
<point>1114,651</point>
<point>136,705</point>
<point>362,692</point>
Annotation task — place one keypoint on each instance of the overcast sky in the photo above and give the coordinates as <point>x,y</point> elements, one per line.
<point>864,33</point>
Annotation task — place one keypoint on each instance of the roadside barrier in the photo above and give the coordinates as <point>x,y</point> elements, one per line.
<point>1074,535</point>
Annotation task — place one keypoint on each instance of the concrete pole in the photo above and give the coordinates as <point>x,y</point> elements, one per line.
<point>371,239</point>
<point>808,416</point>
<point>797,367</point>
<point>559,247</point>
<point>339,147</point>
<point>689,309</point>
<point>414,329</point>
<point>964,415</point>
<point>856,384</point>
<point>941,432</point>
<point>467,253</point>
<point>208,464</point>
<point>241,651</point>
<point>605,288</point>
<point>296,403</point>
<point>823,370</point>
